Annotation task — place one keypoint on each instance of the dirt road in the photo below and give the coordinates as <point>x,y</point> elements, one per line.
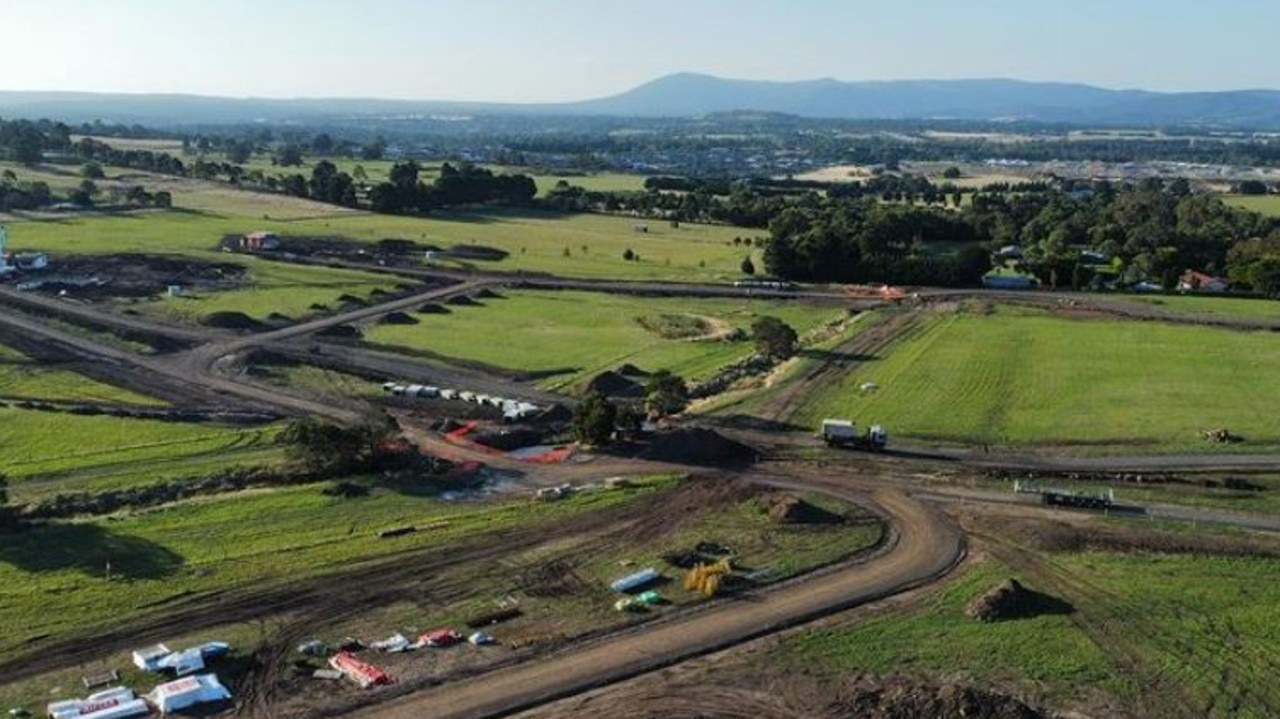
<point>924,546</point>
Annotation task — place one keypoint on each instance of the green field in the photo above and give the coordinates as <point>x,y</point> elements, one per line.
<point>23,377</point>
<point>274,288</point>
<point>1265,204</point>
<point>41,445</point>
<point>1024,378</point>
<point>569,336</point>
<point>1191,635</point>
<point>1211,306</point>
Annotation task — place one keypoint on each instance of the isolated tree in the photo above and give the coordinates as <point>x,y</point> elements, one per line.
<point>358,172</point>
<point>594,418</point>
<point>92,171</point>
<point>951,173</point>
<point>374,150</point>
<point>322,144</point>
<point>774,338</point>
<point>240,152</point>
<point>628,254</point>
<point>665,393</point>
<point>748,267</point>
<point>288,156</point>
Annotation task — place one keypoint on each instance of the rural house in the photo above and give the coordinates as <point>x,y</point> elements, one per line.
<point>259,240</point>
<point>1192,281</point>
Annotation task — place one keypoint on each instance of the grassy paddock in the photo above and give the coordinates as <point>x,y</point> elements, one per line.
<point>22,376</point>
<point>1265,204</point>
<point>50,443</point>
<point>569,336</point>
<point>1022,377</point>
<point>1153,630</point>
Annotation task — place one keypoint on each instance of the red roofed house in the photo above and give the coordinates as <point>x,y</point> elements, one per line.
<point>1192,281</point>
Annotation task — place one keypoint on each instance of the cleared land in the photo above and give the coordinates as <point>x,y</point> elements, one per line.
<point>1008,376</point>
<point>169,560</point>
<point>1208,305</point>
<point>569,336</point>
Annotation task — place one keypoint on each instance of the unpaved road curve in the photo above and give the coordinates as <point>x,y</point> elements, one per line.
<point>924,547</point>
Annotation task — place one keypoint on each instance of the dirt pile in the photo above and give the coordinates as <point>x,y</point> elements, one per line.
<point>948,701</point>
<point>696,445</point>
<point>774,698</point>
<point>432,308</point>
<point>785,508</point>
<point>134,274</point>
<point>612,384</point>
<point>231,321</point>
<point>1011,600</point>
<point>398,318</point>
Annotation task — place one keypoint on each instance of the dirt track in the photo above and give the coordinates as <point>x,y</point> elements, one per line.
<point>925,546</point>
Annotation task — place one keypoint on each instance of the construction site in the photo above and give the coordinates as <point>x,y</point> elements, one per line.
<point>485,561</point>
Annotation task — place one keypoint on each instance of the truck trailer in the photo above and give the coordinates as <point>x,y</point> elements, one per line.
<point>844,433</point>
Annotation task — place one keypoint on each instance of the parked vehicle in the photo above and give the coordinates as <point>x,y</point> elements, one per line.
<point>844,433</point>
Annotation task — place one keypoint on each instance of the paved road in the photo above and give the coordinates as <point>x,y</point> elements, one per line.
<point>925,546</point>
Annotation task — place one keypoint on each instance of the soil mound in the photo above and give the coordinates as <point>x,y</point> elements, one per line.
<point>612,384</point>
<point>478,252</point>
<point>630,370</point>
<point>695,445</point>
<point>342,332</point>
<point>487,294</point>
<point>461,301</point>
<point>432,308</point>
<point>510,439</point>
<point>948,701</point>
<point>785,508</point>
<point>230,321</point>
<point>398,318</point>
<point>1011,600</point>
<point>352,300</point>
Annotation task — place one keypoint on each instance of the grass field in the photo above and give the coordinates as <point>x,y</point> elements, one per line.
<point>1245,307</point>
<point>570,336</point>
<point>275,288</point>
<point>1181,633</point>
<point>40,444</point>
<point>21,376</point>
<point>1265,204</point>
<point>1021,377</point>
<point>570,245</point>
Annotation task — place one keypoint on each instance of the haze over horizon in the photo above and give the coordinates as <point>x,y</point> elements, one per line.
<point>567,50</point>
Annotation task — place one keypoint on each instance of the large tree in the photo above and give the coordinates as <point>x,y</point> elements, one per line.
<point>594,419</point>
<point>774,338</point>
<point>665,393</point>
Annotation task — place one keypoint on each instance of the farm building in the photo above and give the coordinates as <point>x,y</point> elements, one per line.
<point>1192,281</point>
<point>260,240</point>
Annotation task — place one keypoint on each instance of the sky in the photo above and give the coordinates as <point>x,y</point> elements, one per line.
<point>557,50</point>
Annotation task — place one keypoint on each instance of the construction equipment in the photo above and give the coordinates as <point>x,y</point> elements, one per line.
<point>844,433</point>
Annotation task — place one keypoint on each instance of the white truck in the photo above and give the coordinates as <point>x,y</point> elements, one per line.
<point>844,433</point>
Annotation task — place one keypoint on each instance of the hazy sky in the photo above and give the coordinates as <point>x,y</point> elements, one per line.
<point>546,50</point>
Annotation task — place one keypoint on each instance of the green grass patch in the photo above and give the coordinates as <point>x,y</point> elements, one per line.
<point>568,336</point>
<point>1213,306</point>
<point>937,638</point>
<point>1022,377</point>
<point>294,291</point>
<point>1265,204</point>
<point>41,443</point>
<point>21,376</point>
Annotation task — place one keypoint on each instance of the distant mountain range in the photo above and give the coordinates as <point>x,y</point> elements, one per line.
<point>694,95</point>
